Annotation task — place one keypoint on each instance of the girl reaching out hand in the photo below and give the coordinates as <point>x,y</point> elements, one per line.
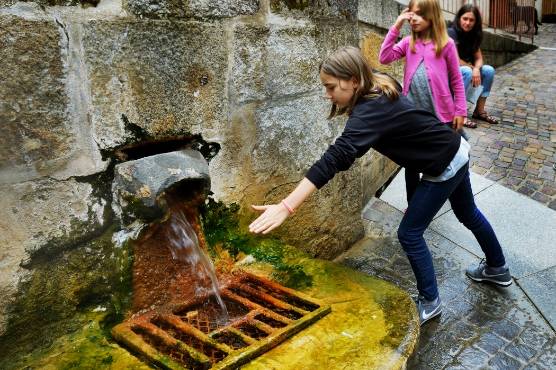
<point>432,80</point>
<point>379,118</point>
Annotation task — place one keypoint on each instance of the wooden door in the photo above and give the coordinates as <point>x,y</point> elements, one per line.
<point>548,7</point>
<point>499,14</point>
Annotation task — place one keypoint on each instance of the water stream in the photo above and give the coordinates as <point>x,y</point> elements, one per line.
<point>184,247</point>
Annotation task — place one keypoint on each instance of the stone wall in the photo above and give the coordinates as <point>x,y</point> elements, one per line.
<point>499,50</point>
<point>79,79</point>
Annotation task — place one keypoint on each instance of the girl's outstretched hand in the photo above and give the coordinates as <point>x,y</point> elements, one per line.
<point>272,217</point>
<point>405,15</point>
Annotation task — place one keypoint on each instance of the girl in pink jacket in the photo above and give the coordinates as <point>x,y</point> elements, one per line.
<point>432,80</point>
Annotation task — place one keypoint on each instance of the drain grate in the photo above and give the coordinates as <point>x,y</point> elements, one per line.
<point>262,314</point>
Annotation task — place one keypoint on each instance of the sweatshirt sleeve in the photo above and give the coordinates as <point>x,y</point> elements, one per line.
<point>389,51</point>
<point>356,139</point>
<point>456,80</point>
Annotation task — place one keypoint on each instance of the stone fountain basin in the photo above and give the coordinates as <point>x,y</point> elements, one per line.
<point>373,324</point>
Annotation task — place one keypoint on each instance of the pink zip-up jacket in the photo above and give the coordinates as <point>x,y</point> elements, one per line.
<point>443,72</point>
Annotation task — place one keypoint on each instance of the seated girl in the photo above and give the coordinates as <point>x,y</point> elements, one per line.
<point>467,32</point>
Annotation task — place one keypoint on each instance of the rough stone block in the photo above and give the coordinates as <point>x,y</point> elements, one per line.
<point>376,170</point>
<point>274,60</point>
<point>282,58</point>
<point>200,9</point>
<point>38,137</point>
<point>371,42</point>
<point>44,3</point>
<point>43,216</point>
<point>282,144</point>
<point>248,74</point>
<point>346,9</point>
<point>284,152</point>
<point>380,13</point>
<point>335,33</point>
<point>166,77</point>
<point>292,59</point>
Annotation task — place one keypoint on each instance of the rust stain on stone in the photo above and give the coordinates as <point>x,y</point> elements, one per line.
<point>158,279</point>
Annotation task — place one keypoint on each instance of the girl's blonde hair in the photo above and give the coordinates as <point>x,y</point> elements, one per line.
<point>347,63</point>
<point>430,10</point>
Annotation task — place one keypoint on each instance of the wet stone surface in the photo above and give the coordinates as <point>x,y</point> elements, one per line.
<point>520,152</point>
<point>481,327</point>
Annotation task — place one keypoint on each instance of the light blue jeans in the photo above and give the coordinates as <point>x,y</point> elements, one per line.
<point>487,77</point>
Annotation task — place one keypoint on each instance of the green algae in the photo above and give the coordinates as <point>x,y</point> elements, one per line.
<point>86,347</point>
<point>372,325</point>
<point>62,287</point>
<point>222,231</point>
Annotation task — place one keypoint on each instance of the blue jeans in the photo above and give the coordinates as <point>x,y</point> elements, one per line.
<point>487,77</point>
<point>425,203</point>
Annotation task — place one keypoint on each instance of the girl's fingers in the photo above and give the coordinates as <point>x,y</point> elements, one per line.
<point>257,223</point>
<point>259,208</point>
<point>263,227</point>
<point>260,223</point>
<point>271,218</point>
<point>259,220</point>
<point>270,228</point>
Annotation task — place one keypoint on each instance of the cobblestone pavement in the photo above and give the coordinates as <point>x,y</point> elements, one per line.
<point>520,152</point>
<point>481,327</point>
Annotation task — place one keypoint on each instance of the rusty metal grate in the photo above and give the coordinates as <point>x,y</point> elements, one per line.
<point>262,314</point>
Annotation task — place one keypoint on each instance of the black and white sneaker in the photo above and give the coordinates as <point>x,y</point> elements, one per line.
<point>484,273</point>
<point>428,309</point>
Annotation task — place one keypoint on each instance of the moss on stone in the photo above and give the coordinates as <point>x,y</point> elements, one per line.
<point>372,325</point>
<point>60,288</point>
<point>81,302</point>
<point>87,346</point>
<point>222,231</point>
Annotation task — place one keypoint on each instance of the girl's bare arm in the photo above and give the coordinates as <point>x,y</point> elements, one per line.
<point>390,51</point>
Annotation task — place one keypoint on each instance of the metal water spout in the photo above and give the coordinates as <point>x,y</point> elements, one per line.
<point>140,185</point>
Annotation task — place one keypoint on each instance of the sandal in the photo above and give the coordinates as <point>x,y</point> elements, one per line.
<point>485,117</point>
<point>469,124</point>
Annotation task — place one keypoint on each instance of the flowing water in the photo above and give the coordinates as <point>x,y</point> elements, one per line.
<point>184,246</point>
